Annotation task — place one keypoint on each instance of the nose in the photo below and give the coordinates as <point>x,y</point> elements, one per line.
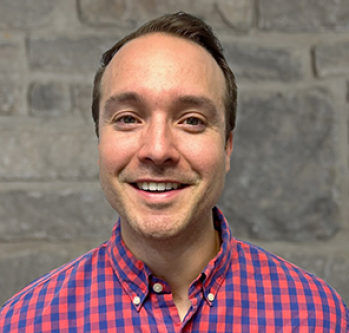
<point>158,144</point>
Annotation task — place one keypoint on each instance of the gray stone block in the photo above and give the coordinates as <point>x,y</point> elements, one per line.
<point>250,61</point>
<point>283,183</point>
<point>55,213</point>
<point>49,99</point>
<point>10,57</point>
<point>102,12</point>
<point>29,14</point>
<point>348,139</point>
<point>11,85</point>
<point>82,100</point>
<point>303,15</point>
<point>22,263</point>
<point>10,92</point>
<point>332,59</point>
<point>68,55</point>
<point>48,151</point>
<point>339,275</point>
<point>235,14</point>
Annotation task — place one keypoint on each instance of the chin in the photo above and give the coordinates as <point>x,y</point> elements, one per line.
<point>159,236</point>
<point>163,227</point>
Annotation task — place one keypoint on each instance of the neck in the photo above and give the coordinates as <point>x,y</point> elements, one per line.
<point>180,264</point>
<point>178,260</point>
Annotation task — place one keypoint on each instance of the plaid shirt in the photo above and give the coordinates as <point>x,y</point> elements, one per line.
<point>243,289</point>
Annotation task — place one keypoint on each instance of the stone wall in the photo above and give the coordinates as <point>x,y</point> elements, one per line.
<point>288,187</point>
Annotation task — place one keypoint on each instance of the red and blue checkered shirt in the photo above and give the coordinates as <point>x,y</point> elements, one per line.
<point>243,289</point>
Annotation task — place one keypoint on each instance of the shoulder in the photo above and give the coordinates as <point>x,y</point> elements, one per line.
<point>281,284</point>
<point>53,286</point>
<point>260,263</point>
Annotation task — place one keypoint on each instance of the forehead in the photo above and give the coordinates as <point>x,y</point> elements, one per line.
<point>163,63</point>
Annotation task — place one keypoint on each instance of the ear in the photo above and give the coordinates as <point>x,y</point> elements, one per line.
<point>228,151</point>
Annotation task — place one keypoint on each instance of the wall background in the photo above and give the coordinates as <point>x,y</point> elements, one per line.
<point>288,187</point>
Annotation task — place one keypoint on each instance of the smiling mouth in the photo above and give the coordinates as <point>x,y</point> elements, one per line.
<point>158,187</point>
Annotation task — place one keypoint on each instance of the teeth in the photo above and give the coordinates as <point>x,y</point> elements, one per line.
<point>160,187</point>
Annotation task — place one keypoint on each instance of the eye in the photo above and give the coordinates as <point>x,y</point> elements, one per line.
<point>193,124</point>
<point>193,121</point>
<point>127,120</point>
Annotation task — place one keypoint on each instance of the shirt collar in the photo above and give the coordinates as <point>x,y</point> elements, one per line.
<point>135,276</point>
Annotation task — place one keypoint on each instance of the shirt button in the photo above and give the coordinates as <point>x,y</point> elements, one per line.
<point>136,300</point>
<point>210,297</point>
<point>158,288</point>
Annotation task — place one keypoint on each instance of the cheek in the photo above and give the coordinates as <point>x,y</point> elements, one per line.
<point>113,155</point>
<point>206,156</point>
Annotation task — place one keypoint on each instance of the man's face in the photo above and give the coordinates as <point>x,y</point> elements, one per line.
<point>162,150</point>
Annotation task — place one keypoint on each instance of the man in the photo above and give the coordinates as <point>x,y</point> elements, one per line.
<point>164,105</point>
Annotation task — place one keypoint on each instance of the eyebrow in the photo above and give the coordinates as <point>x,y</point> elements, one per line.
<point>198,101</point>
<point>179,101</point>
<point>126,97</point>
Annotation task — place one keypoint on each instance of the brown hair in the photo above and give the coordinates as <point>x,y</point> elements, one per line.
<point>185,26</point>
